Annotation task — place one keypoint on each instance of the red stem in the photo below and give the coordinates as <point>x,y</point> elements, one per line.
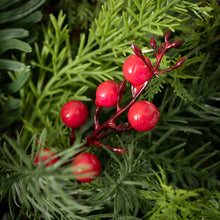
<point>160,55</point>
<point>122,87</point>
<point>72,136</point>
<point>178,64</point>
<point>119,150</point>
<point>96,117</point>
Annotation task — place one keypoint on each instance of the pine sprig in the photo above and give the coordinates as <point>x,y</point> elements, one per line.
<point>120,184</point>
<point>176,203</point>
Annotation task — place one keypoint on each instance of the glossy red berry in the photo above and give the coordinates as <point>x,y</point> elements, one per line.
<point>86,166</point>
<point>45,155</point>
<point>107,94</point>
<point>74,113</point>
<point>143,116</point>
<point>136,71</point>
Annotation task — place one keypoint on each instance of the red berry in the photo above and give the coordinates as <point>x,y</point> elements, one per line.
<point>107,94</point>
<point>143,116</point>
<point>44,155</point>
<point>87,166</point>
<point>74,113</point>
<point>136,71</point>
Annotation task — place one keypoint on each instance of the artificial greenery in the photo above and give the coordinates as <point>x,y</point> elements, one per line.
<point>16,19</point>
<point>171,172</point>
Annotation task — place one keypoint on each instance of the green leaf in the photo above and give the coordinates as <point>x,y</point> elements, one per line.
<point>13,33</point>
<point>21,11</point>
<point>28,21</point>
<point>17,83</point>
<point>14,44</point>
<point>5,3</point>
<point>11,65</point>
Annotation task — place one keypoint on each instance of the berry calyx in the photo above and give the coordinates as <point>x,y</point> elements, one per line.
<point>136,71</point>
<point>86,166</point>
<point>143,116</point>
<point>74,113</point>
<point>107,94</point>
<point>45,155</point>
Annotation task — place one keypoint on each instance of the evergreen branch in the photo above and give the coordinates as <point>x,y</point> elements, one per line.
<point>178,203</point>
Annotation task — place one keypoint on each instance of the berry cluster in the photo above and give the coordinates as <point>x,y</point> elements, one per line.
<point>142,115</point>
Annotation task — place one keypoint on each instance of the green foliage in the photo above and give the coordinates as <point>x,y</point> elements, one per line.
<point>37,80</point>
<point>40,192</point>
<point>126,186</point>
<point>80,13</point>
<point>13,15</point>
<point>174,203</point>
<point>121,183</point>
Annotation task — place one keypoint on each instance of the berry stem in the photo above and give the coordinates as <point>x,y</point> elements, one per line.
<point>122,87</point>
<point>167,36</point>
<point>72,136</point>
<point>178,64</point>
<point>153,45</point>
<point>161,51</point>
<point>119,150</point>
<point>119,128</point>
<point>96,117</point>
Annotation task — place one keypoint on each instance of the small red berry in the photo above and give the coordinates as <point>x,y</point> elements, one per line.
<point>86,166</point>
<point>136,71</point>
<point>45,155</point>
<point>107,94</point>
<point>143,116</point>
<point>74,113</point>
